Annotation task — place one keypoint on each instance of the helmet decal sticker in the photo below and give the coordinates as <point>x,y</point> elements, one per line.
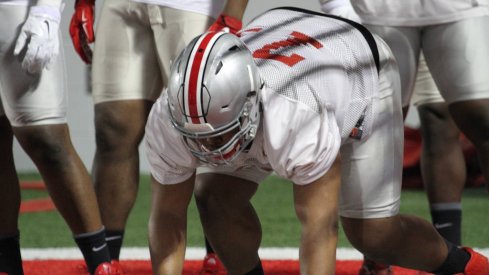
<point>194,75</point>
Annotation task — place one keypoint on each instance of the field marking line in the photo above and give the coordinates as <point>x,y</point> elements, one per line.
<point>193,253</point>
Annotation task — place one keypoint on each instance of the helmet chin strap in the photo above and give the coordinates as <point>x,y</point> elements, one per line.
<point>226,156</point>
<point>231,150</point>
<point>252,132</point>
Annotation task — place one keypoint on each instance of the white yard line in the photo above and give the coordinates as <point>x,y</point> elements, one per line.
<point>193,253</point>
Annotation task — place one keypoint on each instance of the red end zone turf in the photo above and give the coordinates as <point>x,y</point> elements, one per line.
<point>35,205</point>
<point>140,267</point>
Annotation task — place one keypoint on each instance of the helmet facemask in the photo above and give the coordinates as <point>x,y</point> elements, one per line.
<point>223,145</point>
<point>228,100</point>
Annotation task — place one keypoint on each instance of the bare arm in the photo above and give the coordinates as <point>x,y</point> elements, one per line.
<point>316,205</point>
<point>230,18</point>
<point>235,8</point>
<point>168,225</point>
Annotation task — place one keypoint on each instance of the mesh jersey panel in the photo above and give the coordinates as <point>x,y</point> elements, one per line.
<point>317,81</point>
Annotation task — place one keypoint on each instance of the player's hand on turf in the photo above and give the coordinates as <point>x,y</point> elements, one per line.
<point>81,28</point>
<point>226,23</point>
<point>39,38</point>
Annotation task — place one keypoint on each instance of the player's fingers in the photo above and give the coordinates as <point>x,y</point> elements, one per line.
<point>50,61</point>
<point>74,35</point>
<point>85,46</point>
<point>82,51</point>
<point>31,62</point>
<point>90,33</point>
<point>46,53</point>
<point>73,27</point>
<point>21,42</point>
<point>77,43</point>
<point>85,58</point>
<point>82,55</point>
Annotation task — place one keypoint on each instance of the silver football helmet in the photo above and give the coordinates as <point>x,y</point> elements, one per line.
<point>214,97</point>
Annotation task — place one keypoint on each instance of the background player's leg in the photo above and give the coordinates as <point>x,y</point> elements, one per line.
<point>126,80</point>
<point>443,169</point>
<point>69,184</point>
<point>10,259</point>
<point>457,55</point>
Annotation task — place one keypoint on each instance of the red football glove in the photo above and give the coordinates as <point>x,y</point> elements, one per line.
<point>226,23</point>
<point>81,28</point>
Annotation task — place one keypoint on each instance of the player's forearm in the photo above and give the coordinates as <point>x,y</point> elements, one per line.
<point>319,238</point>
<point>167,242</point>
<point>316,206</point>
<point>235,8</point>
<point>167,251</point>
<point>318,251</point>
<point>52,3</point>
<point>168,225</point>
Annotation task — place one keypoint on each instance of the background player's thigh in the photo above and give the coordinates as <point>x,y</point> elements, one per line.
<point>425,89</point>
<point>458,57</point>
<point>125,64</point>
<point>178,29</point>
<point>405,44</point>
<point>28,99</point>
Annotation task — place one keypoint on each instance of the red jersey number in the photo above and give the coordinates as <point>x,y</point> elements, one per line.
<point>295,39</point>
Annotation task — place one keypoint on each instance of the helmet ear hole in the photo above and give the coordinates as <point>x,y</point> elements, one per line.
<point>177,63</point>
<point>219,67</point>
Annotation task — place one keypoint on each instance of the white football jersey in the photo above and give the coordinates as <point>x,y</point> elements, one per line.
<point>418,12</point>
<point>206,7</point>
<point>14,2</point>
<point>320,76</point>
<point>55,3</point>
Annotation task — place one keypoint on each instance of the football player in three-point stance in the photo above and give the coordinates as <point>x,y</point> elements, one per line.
<point>312,97</point>
<point>33,109</point>
<point>136,41</point>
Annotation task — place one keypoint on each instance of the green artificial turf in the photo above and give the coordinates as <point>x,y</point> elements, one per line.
<point>274,206</point>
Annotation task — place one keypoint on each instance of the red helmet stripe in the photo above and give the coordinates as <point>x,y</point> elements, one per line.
<point>195,74</point>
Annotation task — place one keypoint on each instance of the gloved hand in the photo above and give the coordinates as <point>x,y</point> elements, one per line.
<point>40,35</point>
<point>81,28</point>
<point>226,23</point>
<point>341,8</point>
